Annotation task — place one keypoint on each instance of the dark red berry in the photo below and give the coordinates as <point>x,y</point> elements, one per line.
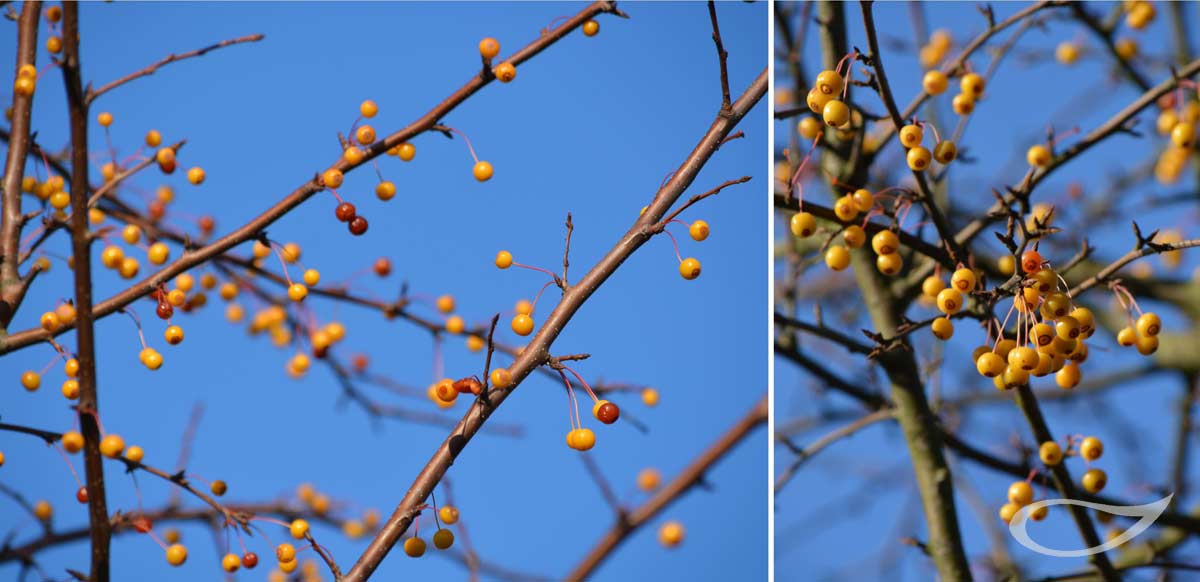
<point>345,212</point>
<point>165,311</point>
<point>207,224</point>
<point>250,560</point>
<point>608,413</point>
<point>81,495</point>
<point>320,353</point>
<point>383,267</point>
<point>360,363</point>
<point>358,226</point>
<point>157,209</point>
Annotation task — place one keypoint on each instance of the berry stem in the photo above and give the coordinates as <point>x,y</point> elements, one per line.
<point>67,460</point>
<point>466,139</point>
<point>675,244</point>
<point>585,384</point>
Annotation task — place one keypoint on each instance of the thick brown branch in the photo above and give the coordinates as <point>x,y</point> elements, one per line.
<point>81,241</point>
<point>11,287</point>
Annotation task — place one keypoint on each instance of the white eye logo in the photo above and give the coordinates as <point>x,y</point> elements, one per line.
<point>1148,514</point>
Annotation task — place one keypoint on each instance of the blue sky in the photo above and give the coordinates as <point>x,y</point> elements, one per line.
<point>590,126</point>
<point>845,512</point>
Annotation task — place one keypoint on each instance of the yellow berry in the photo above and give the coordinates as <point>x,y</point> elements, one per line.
<point>689,268</point>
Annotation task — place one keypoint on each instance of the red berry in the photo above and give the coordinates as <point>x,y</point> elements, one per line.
<point>82,495</point>
<point>358,226</point>
<point>249,560</point>
<point>608,413</point>
<point>1031,261</point>
<point>165,311</point>
<point>143,524</point>
<point>345,212</point>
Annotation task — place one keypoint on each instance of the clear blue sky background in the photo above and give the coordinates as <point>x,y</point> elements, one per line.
<point>831,522</point>
<point>591,126</point>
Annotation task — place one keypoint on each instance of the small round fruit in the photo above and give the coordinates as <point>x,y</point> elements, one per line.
<point>837,257</point>
<point>506,72</point>
<point>1008,510</point>
<point>1020,493</point>
<point>885,242</point>
<point>689,268</point>
<point>911,136</point>
<point>368,109</point>
<point>231,562</point>
<point>298,528</point>
<point>1031,261</point>
<point>1091,448</point>
<point>1147,344</point>
<point>649,396</point>
<point>365,135</point>
<point>845,208</point>
<point>931,286</point>
<point>72,442</point>
<point>963,104</point>
<point>1038,156</point>
<point>972,84</point>
<point>803,224</point>
<point>358,226</point>
<point>1094,480</point>
<point>990,365</point>
<point>590,28</point>
<point>829,82</point>
<point>501,378</point>
<point>809,127</point>
<point>835,113</point>
<point>671,534</point>
<point>522,324</point>
<point>942,328</point>
<point>218,487</point>
<point>935,82</point>
<point>285,552</point>
<point>945,152</point>
<point>698,230</point>
<point>854,236</point>
<point>606,412</point>
<point>449,514</point>
<point>31,380</point>
<point>949,301</point>
<point>196,176</point>
<point>1148,324</point>
<point>1183,135</point>
<point>489,48</point>
<point>414,547</point>
<point>918,158</point>
<point>174,335</point>
<point>297,292</point>
<point>135,453</point>
<point>333,178</point>
<point>443,539</point>
<point>1050,453</point>
<point>385,190</point>
<point>1068,377</point>
<point>889,264</point>
<point>176,555</point>
<point>482,171</point>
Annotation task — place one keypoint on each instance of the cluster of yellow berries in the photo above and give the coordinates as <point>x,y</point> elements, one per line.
<point>443,538</point>
<point>32,380</point>
<point>1179,125</point>
<point>940,43</point>
<point>26,81</point>
<point>824,100</point>
<point>1051,454</point>
<point>918,157</point>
